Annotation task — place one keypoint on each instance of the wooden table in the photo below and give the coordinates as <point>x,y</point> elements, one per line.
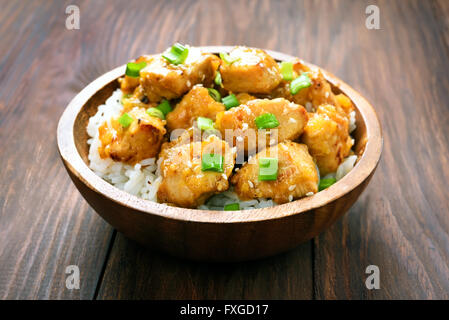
<point>400,223</point>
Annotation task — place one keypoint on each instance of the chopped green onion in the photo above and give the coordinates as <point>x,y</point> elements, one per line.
<point>205,123</point>
<point>133,69</point>
<point>232,207</point>
<point>177,54</point>
<point>155,112</point>
<point>165,107</point>
<point>326,183</point>
<point>212,162</point>
<point>227,58</point>
<point>303,81</point>
<point>287,70</point>
<point>125,120</point>
<point>230,101</point>
<point>214,94</point>
<point>218,81</point>
<point>267,121</point>
<point>268,169</point>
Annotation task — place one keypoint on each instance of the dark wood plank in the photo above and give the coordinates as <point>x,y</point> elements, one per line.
<point>134,272</point>
<point>441,11</point>
<point>45,225</point>
<point>401,222</point>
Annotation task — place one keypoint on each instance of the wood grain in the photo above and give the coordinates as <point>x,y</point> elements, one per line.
<point>400,224</point>
<point>45,225</point>
<point>158,276</point>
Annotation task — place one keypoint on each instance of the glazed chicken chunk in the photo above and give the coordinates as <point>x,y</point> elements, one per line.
<point>162,79</point>
<point>250,70</point>
<point>196,103</point>
<point>140,140</point>
<point>238,125</point>
<point>319,92</point>
<point>327,136</point>
<point>297,175</point>
<point>129,84</point>
<point>244,97</point>
<point>184,182</point>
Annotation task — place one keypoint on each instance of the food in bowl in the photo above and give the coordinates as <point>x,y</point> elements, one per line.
<point>233,131</point>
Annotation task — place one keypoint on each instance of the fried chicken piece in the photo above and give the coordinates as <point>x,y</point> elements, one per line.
<point>240,122</point>
<point>327,136</point>
<point>183,181</point>
<point>320,92</point>
<point>140,140</point>
<point>136,99</point>
<point>253,71</point>
<point>296,175</point>
<point>129,84</point>
<point>244,97</point>
<point>196,103</point>
<point>162,79</point>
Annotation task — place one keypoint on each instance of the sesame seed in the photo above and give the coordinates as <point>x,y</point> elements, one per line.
<point>327,94</point>
<point>292,120</point>
<point>290,198</point>
<point>308,194</point>
<point>291,188</point>
<point>251,185</point>
<point>188,83</point>
<point>224,176</point>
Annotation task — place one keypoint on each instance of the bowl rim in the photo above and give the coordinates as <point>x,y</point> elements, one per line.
<point>365,165</point>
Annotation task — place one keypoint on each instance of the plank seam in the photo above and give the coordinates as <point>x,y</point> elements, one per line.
<point>105,264</point>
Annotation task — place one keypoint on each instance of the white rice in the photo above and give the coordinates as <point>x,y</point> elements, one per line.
<point>143,179</point>
<point>352,125</point>
<point>218,201</point>
<point>345,167</point>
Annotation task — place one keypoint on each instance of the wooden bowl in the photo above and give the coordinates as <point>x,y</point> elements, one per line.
<point>214,235</point>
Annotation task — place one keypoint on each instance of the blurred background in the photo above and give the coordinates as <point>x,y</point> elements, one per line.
<point>400,223</point>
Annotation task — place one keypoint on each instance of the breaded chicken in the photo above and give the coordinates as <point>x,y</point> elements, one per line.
<point>129,84</point>
<point>140,140</point>
<point>320,92</point>
<point>327,136</point>
<point>196,103</point>
<point>136,99</point>
<point>185,137</point>
<point>296,174</point>
<point>240,123</point>
<point>244,97</point>
<point>162,79</point>
<point>183,181</point>
<point>253,71</point>
<point>345,104</point>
